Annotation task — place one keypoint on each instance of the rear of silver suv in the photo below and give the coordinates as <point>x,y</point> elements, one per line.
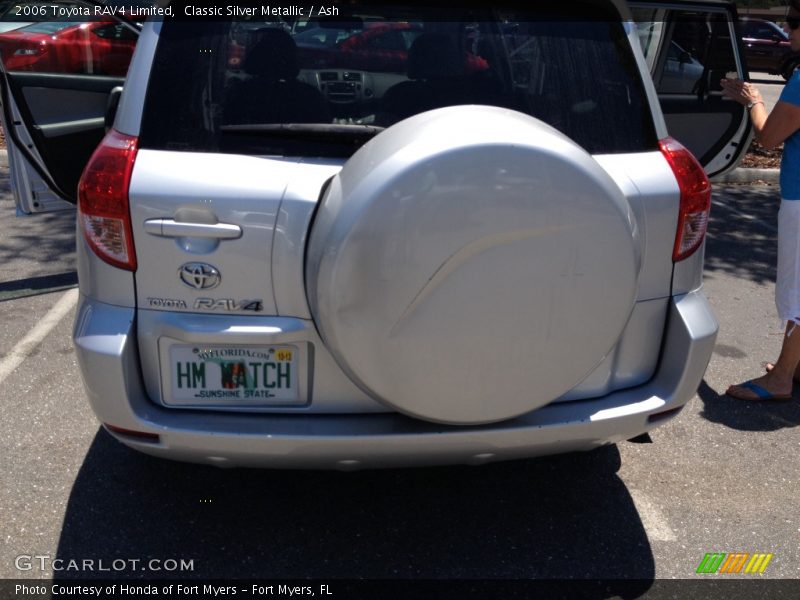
<point>454,236</point>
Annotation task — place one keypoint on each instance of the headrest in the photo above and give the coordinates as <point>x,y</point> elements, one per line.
<point>434,56</point>
<point>273,57</point>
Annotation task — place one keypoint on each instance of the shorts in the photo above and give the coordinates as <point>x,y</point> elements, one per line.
<point>787,284</point>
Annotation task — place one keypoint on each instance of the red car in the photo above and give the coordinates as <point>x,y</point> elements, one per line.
<point>767,48</point>
<point>102,47</point>
<point>378,46</point>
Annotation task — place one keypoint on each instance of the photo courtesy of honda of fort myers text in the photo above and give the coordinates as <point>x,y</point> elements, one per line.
<point>103,589</point>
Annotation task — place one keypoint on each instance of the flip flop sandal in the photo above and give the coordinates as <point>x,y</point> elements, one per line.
<point>760,392</point>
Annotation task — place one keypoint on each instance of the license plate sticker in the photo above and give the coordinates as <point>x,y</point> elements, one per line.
<point>234,375</point>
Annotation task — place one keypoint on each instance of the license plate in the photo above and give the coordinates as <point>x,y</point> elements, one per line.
<point>234,375</point>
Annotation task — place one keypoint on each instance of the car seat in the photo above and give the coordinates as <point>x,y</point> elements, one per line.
<point>273,94</point>
<point>436,78</point>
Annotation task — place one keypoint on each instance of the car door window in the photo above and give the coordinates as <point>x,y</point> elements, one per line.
<point>699,50</point>
<point>650,28</point>
<point>689,51</point>
<point>59,68</point>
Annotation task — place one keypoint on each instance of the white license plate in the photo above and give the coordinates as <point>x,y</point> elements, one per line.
<point>234,375</point>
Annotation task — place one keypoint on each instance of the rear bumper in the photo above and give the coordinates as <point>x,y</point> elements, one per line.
<point>108,357</point>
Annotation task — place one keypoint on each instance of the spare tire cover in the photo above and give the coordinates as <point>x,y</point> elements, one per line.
<point>471,264</point>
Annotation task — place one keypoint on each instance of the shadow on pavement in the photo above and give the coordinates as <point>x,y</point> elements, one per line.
<point>567,516</point>
<point>46,242</point>
<point>741,246</point>
<point>69,278</point>
<point>30,286</point>
<point>749,416</point>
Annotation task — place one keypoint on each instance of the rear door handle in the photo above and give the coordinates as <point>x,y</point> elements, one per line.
<point>172,228</point>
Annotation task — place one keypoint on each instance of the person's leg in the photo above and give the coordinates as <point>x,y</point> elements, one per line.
<point>771,366</point>
<point>778,380</point>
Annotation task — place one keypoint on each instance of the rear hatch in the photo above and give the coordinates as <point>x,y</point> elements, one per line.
<point>536,267</point>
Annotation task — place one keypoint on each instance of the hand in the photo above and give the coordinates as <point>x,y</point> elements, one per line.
<point>741,91</point>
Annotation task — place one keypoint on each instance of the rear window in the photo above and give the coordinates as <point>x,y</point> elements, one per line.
<point>324,87</point>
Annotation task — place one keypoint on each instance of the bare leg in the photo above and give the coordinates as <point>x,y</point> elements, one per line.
<point>770,366</point>
<point>778,380</point>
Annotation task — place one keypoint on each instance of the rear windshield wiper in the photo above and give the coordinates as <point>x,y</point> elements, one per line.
<point>358,134</point>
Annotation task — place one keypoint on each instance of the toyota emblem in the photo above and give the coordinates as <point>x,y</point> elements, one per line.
<point>200,276</point>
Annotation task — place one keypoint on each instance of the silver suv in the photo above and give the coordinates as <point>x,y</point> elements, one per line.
<point>399,236</point>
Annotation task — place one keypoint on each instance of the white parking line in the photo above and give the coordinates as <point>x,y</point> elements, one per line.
<point>35,336</point>
<point>653,520</point>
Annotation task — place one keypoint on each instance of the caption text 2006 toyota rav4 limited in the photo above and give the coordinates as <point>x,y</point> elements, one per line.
<point>393,237</point>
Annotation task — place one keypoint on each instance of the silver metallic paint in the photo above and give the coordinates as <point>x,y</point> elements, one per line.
<point>108,350</point>
<point>470,264</point>
<point>291,235</point>
<point>186,186</point>
<point>107,356</point>
<point>99,280</point>
<point>129,111</point>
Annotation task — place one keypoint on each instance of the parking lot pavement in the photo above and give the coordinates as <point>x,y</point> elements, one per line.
<point>45,420</point>
<point>37,260</point>
<point>37,253</point>
<point>722,477</point>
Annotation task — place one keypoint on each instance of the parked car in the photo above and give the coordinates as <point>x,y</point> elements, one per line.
<point>101,47</point>
<point>370,45</point>
<point>366,46</point>
<point>469,266</point>
<point>767,48</point>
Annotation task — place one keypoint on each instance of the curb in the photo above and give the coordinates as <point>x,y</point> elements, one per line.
<point>3,157</point>
<point>743,175</point>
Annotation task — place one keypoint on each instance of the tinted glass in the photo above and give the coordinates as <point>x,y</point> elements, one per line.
<point>324,89</point>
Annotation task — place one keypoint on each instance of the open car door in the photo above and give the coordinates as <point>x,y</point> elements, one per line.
<point>57,75</point>
<point>690,47</point>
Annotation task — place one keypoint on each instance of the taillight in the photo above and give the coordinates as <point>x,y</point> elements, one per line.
<point>695,198</point>
<point>103,200</point>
